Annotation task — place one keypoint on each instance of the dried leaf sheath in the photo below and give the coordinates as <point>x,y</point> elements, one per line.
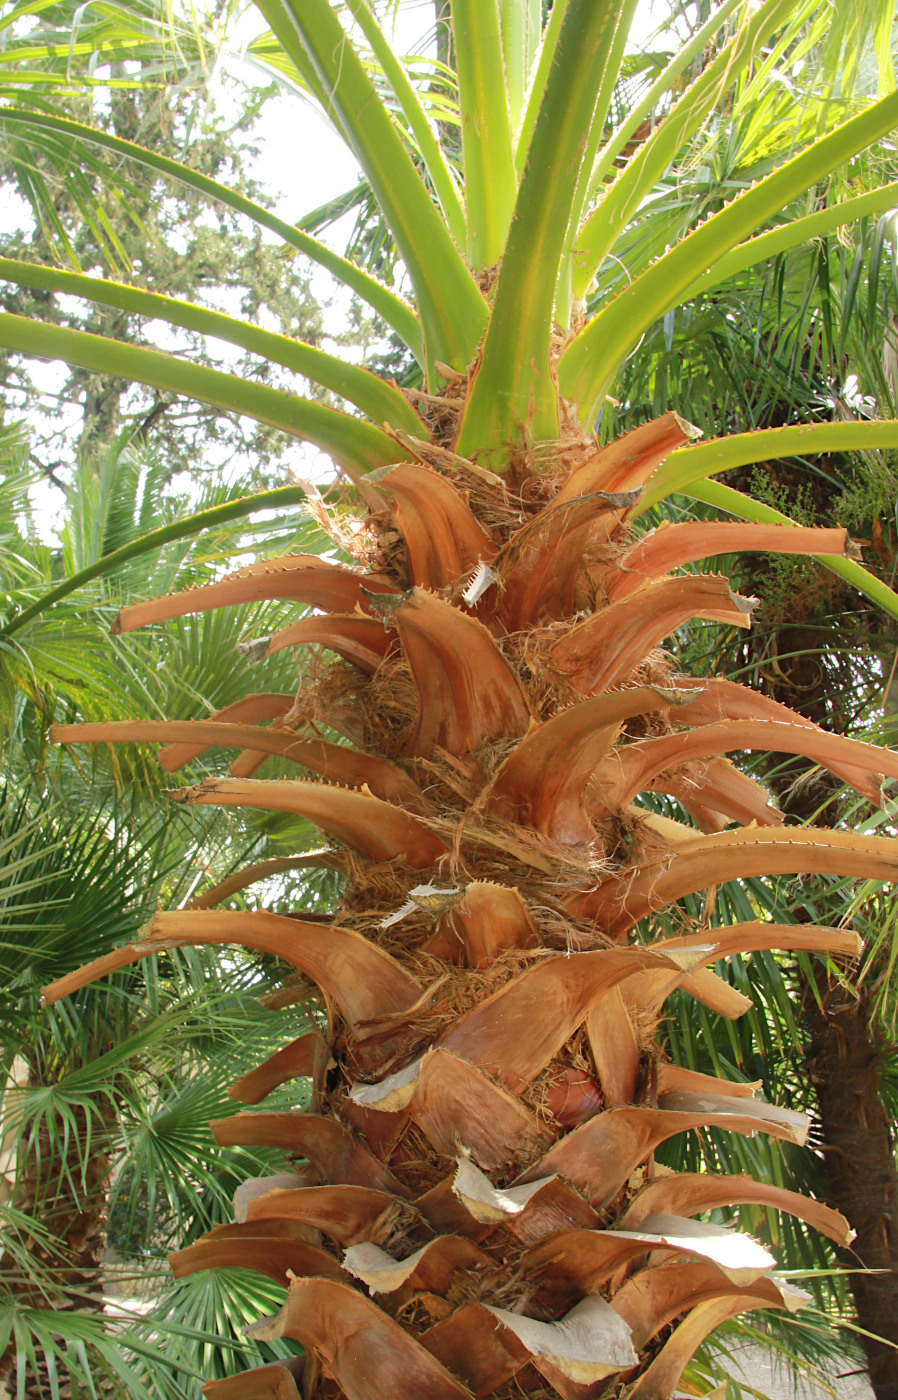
<point>487,1088</point>
<point>672,545</point>
<point>303,577</point>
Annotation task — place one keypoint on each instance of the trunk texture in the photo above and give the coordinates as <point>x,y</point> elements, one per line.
<point>845,1050</point>
<point>846,1046</point>
<point>67,1202</point>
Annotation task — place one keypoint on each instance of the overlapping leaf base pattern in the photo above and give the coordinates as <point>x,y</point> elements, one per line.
<point>471,1205</point>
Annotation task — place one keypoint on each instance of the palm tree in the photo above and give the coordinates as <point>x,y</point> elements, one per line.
<point>487,1090</point>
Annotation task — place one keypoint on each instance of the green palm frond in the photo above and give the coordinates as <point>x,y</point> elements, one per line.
<point>207,1313</point>
<point>84,1351</point>
<point>47,47</point>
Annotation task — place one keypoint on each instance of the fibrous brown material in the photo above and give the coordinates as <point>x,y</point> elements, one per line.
<point>474,1206</point>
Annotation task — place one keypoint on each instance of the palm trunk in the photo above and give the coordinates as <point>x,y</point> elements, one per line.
<point>846,1046</point>
<point>66,1199</point>
<point>845,1051</point>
